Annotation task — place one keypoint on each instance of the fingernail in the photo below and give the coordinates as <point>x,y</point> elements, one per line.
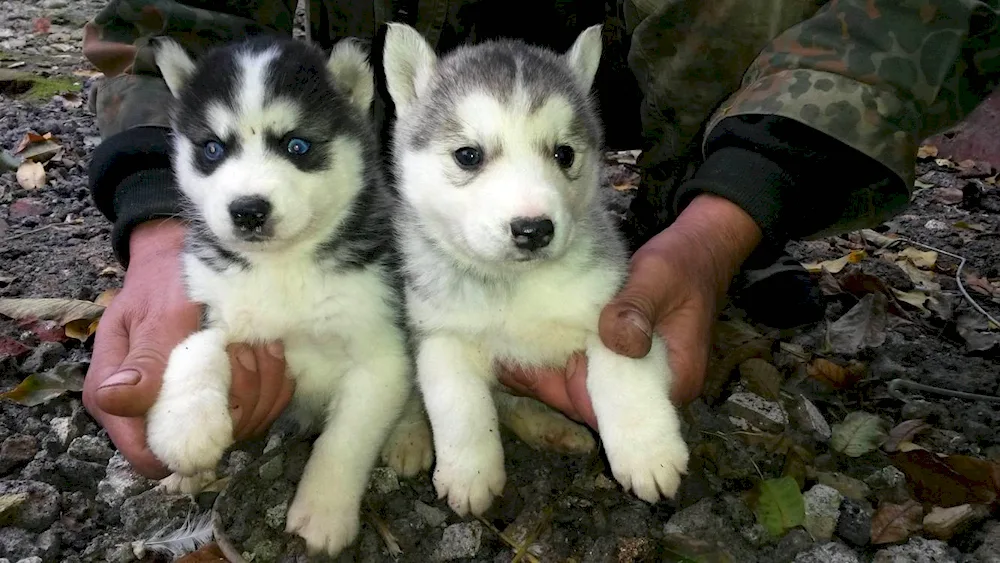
<point>244,355</point>
<point>127,377</point>
<point>639,320</point>
<point>275,349</point>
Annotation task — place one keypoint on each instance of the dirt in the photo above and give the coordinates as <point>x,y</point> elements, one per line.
<point>86,505</point>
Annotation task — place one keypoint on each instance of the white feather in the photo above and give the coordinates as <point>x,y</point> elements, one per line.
<point>195,532</point>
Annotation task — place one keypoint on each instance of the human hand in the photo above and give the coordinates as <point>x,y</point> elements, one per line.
<point>138,330</point>
<point>674,286</point>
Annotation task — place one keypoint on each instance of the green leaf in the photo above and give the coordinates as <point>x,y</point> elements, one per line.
<point>42,387</point>
<point>860,433</point>
<point>780,505</point>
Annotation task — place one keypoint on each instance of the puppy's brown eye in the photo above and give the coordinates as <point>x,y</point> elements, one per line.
<point>468,157</point>
<point>564,156</point>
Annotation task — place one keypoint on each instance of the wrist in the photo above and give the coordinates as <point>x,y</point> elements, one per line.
<point>156,238</point>
<point>721,235</point>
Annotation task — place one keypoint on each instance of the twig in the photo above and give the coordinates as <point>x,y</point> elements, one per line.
<point>958,274</point>
<point>510,542</point>
<point>895,384</point>
<point>40,229</point>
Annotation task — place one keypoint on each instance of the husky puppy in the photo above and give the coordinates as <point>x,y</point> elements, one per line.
<point>276,157</point>
<point>509,255</point>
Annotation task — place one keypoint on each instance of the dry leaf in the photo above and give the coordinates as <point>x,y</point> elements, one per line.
<point>970,226</point>
<point>927,151</point>
<point>916,298</point>
<point>944,162</point>
<point>896,522</point>
<point>921,279</point>
<point>10,348</point>
<point>81,329</point>
<point>60,310</point>
<point>31,175</point>
<point>923,185</point>
<point>860,433</point>
<point>837,376</point>
<point>210,553</point>
<point>87,73</point>
<point>834,266</point>
<point>981,285</point>
<point>105,298</point>
<point>39,388</point>
<point>863,326</point>
<point>948,481</point>
<point>920,258</point>
<point>876,238</point>
<point>905,431</point>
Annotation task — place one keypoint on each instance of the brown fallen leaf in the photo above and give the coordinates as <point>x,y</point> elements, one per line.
<point>896,522</point>
<point>927,151</point>
<point>970,226</point>
<point>949,480</point>
<point>81,329</point>
<point>60,310</point>
<point>39,388</point>
<point>981,285</point>
<point>834,266</point>
<point>905,431</point>
<point>209,553</point>
<point>861,327</point>
<point>837,376</point>
<point>922,279</point>
<point>106,296</point>
<point>923,259</point>
<point>31,175</point>
<point>10,348</point>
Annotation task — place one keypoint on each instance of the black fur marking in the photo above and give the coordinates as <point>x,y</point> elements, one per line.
<point>204,246</point>
<point>231,148</point>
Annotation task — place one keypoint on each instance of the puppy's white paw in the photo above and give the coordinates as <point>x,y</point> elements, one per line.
<point>323,516</point>
<point>187,484</point>
<point>471,478</point>
<point>649,458</point>
<point>190,434</point>
<point>410,448</point>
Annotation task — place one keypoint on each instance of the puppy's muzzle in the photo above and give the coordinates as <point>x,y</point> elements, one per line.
<point>251,216</point>
<point>532,233</point>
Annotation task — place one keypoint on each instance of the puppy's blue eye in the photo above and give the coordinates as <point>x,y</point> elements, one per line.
<point>214,150</point>
<point>468,157</point>
<point>298,146</point>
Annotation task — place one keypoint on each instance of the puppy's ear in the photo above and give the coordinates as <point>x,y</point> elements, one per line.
<point>409,62</point>
<point>352,73</point>
<point>174,63</point>
<point>585,55</point>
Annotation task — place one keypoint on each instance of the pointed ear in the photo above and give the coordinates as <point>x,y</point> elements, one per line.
<point>585,55</point>
<point>352,73</point>
<point>409,62</point>
<point>174,63</point>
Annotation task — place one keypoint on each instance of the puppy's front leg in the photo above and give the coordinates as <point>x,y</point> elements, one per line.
<point>638,424</point>
<point>455,381</point>
<point>326,509</point>
<point>189,426</point>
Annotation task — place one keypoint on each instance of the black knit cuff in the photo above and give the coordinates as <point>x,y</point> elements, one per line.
<point>748,179</point>
<point>148,194</point>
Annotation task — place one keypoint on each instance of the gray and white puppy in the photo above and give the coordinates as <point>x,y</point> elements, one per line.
<point>275,155</point>
<point>509,254</point>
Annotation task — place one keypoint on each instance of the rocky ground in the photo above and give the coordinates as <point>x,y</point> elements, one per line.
<point>869,436</point>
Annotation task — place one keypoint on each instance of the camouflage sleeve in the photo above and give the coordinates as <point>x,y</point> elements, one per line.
<point>877,76</point>
<point>130,176</point>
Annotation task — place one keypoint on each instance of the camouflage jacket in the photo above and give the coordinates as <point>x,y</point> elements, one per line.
<point>805,113</point>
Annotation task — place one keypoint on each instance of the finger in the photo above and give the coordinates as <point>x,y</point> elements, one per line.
<point>244,393</point>
<point>129,436</point>
<point>546,385</point>
<point>626,323</point>
<point>110,348</point>
<point>271,376</point>
<point>687,335</point>
<point>576,389</point>
<point>283,398</point>
<point>131,388</point>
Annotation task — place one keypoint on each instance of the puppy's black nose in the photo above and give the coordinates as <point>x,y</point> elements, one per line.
<point>532,233</point>
<point>250,214</point>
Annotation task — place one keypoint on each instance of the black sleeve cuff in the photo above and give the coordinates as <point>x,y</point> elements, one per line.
<point>131,182</point>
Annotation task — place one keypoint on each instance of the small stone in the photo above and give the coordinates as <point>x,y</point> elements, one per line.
<point>90,448</point>
<point>888,485</point>
<point>848,486</point>
<point>273,443</point>
<point>810,420</point>
<point>989,551</point>
<point>758,411</point>
<point>383,481</point>
<point>945,523</point>
<point>41,507</point>
<point>16,543</point>
<point>34,559</point>
<point>49,545</point>
<point>604,483</point>
<point>64,430</point>
<point>120,482</point>
<point>822,510</point>
<point>17,450</point>
<point>275,516</point>
<point>238,461</point>
<point>831,552</point>
<point>272,469</point>
<point>460,541</point>
<point>793,543</point>
<point>78,474</point>
<point>917,550</point>
<point>10,504</point>
<point>155,509</point>
<point>855,523</point>
<point>433,516</point>
<point>935,225</point>
<point>43,357</point>
<point>26,207</point>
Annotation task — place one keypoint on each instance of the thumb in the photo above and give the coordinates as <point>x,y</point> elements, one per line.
<point>130,389</point>
<point>627,322</point>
